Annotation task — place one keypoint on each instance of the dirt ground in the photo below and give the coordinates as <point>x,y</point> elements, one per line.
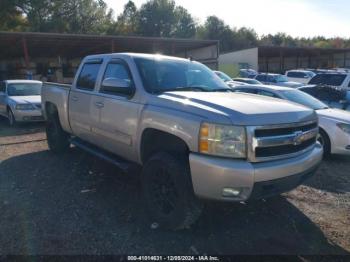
<point>78,204</point>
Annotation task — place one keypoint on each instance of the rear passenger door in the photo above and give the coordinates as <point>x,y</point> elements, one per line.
<point>119,112</point>
<point>80,99</point>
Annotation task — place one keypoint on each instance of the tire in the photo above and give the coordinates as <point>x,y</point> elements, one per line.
<point>57,138</point>
<point>325,142</point>
<point>11,118</point>
<point>168,192</point>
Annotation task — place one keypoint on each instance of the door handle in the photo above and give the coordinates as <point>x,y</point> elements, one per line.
<point>74,98</point>
<point>99,104</point>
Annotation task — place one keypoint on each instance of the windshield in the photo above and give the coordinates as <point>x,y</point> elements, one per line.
<point>223,76</point>
<point>281,78</point>
<point>328,79</point>
<point>24,89</point>
<point>304,99</point>
<point>162,75</point>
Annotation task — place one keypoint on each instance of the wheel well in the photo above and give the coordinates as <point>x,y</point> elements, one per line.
<point>154,140</point>
<point>327,137</point>
<point>50,109</point>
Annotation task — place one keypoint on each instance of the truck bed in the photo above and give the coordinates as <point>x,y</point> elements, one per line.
<point>58,94</point>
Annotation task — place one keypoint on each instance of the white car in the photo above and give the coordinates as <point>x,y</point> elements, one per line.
<point>335,79</point>
<point>228,80</point>
<point>334,124</point>
<point>20,101</point>
<point>277,80</point>
<point>300,76</point>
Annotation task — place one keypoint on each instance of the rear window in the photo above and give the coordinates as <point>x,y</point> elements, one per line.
<point>328,79</point>
<point>261,77</point>
<point>88,76</point>
<point>296,74</point>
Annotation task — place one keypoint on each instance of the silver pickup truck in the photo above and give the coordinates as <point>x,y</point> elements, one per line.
<point>191,136</point>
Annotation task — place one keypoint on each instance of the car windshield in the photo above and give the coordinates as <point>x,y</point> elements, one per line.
<point>304,99</point>
<point>328,79</point>
<point>223,76</point>
<point>164,74</point>
<point>24,89</point>
<point>281,78</point>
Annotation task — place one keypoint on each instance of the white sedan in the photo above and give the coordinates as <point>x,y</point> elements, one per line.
<point>20,101</point>
<point>334,123</point>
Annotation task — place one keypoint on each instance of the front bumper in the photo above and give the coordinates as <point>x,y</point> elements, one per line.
<point>28,115</point>
<point>210,175</point>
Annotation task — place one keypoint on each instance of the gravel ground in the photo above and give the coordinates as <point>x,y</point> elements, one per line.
<point>78,204</point>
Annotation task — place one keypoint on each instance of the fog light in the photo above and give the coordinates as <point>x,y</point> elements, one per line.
<point>231,192</point>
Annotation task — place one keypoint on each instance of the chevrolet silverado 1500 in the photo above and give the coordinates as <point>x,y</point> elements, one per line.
<point>193,138</point>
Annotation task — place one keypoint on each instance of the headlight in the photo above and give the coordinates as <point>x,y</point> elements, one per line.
<point>24,107</point>
<point>222,140</point>
<point>344,127</point>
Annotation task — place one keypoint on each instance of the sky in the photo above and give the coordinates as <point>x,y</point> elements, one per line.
<point>298,18</point>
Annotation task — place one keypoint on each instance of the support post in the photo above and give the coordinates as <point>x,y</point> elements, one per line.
<point>25,51</point>
<point>113,46</point>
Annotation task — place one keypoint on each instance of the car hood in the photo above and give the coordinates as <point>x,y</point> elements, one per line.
<point>26,99</point>
<point>241,109</point>
<point>290,84</point>
<point>335,114</point>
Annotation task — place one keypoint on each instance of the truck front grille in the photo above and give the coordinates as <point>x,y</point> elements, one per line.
<point>281,141</point>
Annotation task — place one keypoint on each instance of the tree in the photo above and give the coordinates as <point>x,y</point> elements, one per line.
<point>11,18</point>
<point>215,29</point>
<point>127,23</point>
<point>68,16</point>
<point>162,18</point>
<point>157,18</point>
<point>185,26</point>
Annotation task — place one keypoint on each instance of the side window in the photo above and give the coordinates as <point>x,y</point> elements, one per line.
<point>261,78</point>
<point>117,70</point>
<point>2,87</point>
<point>88,76</point>
<point>265,93</point>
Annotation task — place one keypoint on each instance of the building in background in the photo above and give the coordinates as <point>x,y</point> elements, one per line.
<point>56,57</point>
<point>280,59</point>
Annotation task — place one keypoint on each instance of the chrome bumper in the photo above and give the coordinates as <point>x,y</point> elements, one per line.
<point>28,115</point>
<point>211,175</point>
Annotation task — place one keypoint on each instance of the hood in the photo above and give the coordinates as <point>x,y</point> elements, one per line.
<point>335,114</point>
<point>26,99</point>
<point>241,109</point>
<point>290,84</point>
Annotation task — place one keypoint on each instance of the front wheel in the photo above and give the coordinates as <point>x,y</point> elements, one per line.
<point>57,138</point>
<point>323,139</point>
<point>168,193</point>
<point>11,118</point>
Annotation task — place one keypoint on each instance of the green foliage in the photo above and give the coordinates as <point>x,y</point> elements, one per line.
<point>162,18</point>
<point>157,18</point>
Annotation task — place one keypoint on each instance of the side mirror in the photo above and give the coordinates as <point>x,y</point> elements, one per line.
<point>117,86</point>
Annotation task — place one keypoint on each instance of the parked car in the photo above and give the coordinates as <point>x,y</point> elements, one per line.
<point>228,80</point>
<point>334,123</point>
<point>191,136</point>
<point>276,79</point>
<point>20,100</point>
<point>247,73</point>
<point>340,80</point>
<point>334,97</point>
<point>247,81</point>
<point>300,76</point>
